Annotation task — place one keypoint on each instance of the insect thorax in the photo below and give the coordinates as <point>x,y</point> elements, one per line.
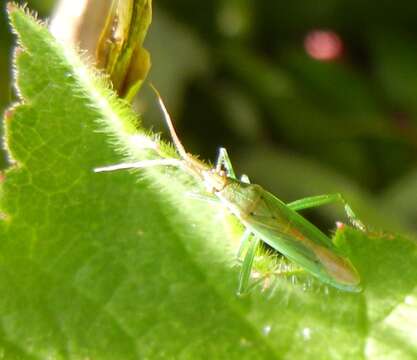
<point>240,198</point>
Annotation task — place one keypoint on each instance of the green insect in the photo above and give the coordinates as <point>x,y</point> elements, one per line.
<point>265,217</point>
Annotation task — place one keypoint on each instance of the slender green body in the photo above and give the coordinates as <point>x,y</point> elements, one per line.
<point>289,233</point>
<point>266,217</point>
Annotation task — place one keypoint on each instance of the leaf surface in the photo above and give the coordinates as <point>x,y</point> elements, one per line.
<point>126,266</point>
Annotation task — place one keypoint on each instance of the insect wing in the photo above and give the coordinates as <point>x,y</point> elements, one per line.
<point>300,241</point>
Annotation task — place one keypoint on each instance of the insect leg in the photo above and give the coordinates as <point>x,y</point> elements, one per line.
<point>207,198</point>
<point>316,201</point>
<point>223,159</point>
<point>245,272</point>
<point>245,179</point>
<point>243,242</point>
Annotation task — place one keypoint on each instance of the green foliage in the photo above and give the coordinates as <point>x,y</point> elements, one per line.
<point>120,49</point>
<point>105,266</point>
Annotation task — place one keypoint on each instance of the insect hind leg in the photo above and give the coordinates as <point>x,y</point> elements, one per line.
<point>320,200</point>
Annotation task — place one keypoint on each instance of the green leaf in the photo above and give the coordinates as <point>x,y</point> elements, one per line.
<point>104,266</point>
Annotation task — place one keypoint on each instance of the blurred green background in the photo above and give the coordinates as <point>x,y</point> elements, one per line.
<point>308,97</point>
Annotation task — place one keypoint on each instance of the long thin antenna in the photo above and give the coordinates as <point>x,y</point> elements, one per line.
<point>177,142</point>
<point>141,164</point>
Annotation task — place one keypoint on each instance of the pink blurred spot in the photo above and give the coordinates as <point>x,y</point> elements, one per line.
<point>340,225</point>
<point>323,45</point>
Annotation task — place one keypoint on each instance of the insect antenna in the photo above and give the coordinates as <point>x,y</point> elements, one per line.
<point>176,140</point>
